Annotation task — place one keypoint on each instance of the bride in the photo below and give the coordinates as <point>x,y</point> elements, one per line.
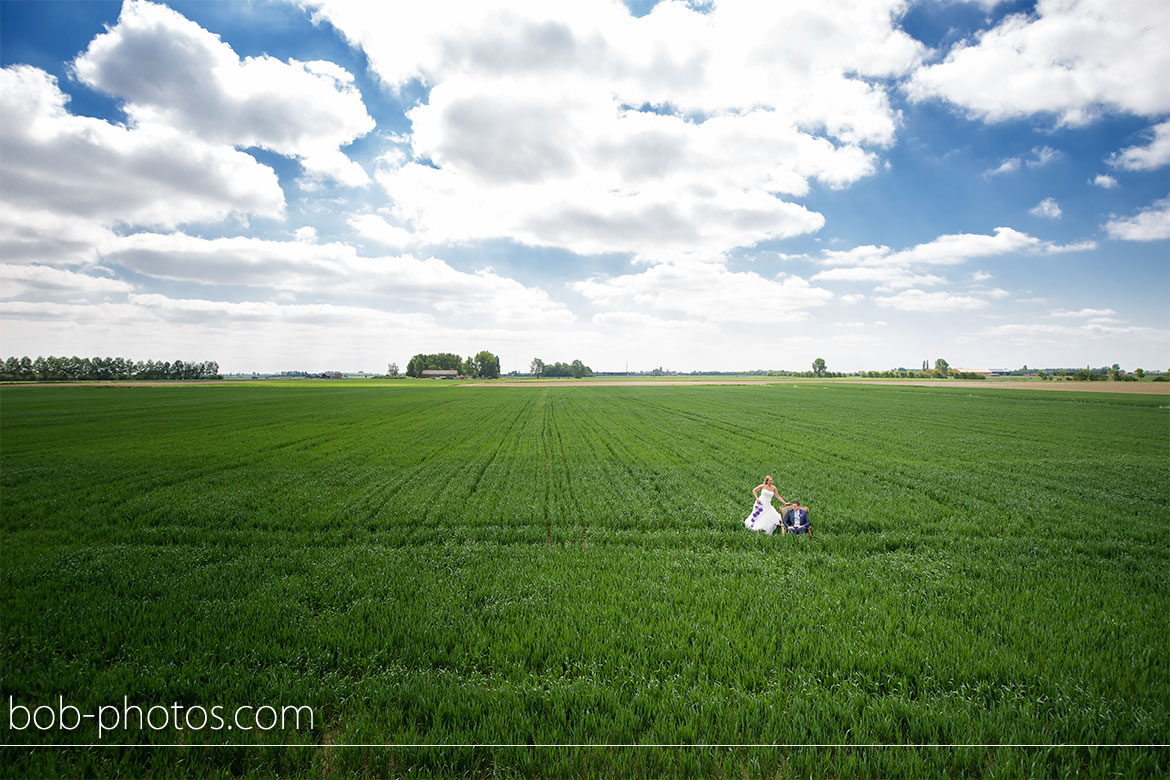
<point>764,516</point>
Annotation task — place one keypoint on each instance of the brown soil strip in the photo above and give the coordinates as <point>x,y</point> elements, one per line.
<point>1144,388</point>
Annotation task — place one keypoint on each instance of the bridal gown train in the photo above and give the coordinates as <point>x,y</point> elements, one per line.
<point>764,516</point>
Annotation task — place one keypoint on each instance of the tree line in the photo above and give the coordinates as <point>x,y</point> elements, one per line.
<point>576,369</point>
<point>484,364</point>
<point>98,368</point>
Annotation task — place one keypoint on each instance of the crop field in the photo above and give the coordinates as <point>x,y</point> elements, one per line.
<point>520,581</point>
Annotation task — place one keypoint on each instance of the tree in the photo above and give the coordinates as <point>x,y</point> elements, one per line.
<point>468,368</point>
<point>1139,373</point>
<point>818,367</point>
<point>537,367</point>
<point>942,366</point>
<point>487,365</point>
<point>392,369</point>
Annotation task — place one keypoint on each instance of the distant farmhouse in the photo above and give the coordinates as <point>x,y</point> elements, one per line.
<point>439,373</point>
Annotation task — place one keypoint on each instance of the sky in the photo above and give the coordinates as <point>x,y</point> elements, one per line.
<point>337,185</point>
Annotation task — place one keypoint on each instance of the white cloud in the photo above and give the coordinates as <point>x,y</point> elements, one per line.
<point>887,277</point>
<point>952,249</point>
<point>533,127</point>
<point>920,301</point>
<point>174,73</point>
<point>57,163</point>
<point>31,235</point>
<point>1047,208</point>
<point>1081,313</point>
<point>1086,330</point>
<point>375,228</point>
<point>1150,224</point>
<point>1073,59</point>
<point>1148,157</point>
<point>41,281</point>
<point>980,276</point>
<point>1009,165</point>
<point>579,174</point>
<point>707,292</point>
<point>248,334</point>
<point>336,270</point>
<point>1037,158</point>
<point>1105,181</point>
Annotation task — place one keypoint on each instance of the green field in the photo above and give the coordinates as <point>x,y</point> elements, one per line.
<point>534,566</point>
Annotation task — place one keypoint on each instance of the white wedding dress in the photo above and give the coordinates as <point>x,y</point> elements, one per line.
<point>764,516</point>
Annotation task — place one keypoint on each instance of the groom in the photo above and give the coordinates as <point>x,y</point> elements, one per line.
<point>795,517</point>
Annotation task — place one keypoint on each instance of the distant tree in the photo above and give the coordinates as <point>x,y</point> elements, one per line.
<point>1084,374</point>
<point>487,365</point>
<point>1139,373</point>
<point>1116,367</point>
<point>445,361</point>
<point>392,369</point>
<point>942,366</point>
<point>557,369</point>
<point>537,367</point>
<point>468,367</point>
<point>818,367</point>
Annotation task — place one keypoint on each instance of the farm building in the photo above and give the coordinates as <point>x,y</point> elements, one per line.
<point>439,373</point>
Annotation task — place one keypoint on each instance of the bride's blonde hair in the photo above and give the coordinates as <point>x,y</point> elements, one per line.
<point>768,478</point>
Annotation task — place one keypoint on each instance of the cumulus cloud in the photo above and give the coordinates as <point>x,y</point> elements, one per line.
<point>1037,158</point>
<point>337,270</point>
<point>171,72</point>
<point>886,277</point>
<point>376,228</point>
<point>1047,208</point>
<point>707,292</point>
<point>254,334</point>
<point>676,135</point>
<point>1105,181</point>
<point>1150,224</point>
<point>920,301</point>
<point>42,282</point>
<point>907,269</point>
<point>952,249</point>
<point>1081,313</point>
<point>1153,155</point>
<point>1094,330</point>
<point>32,235</point>
<point>68,166</point>
<point>1072,58</point>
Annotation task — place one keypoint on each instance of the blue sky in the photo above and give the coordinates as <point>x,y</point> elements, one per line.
<point>729,185</point>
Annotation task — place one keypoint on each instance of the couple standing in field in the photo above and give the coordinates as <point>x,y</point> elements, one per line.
<point>791,519</point>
